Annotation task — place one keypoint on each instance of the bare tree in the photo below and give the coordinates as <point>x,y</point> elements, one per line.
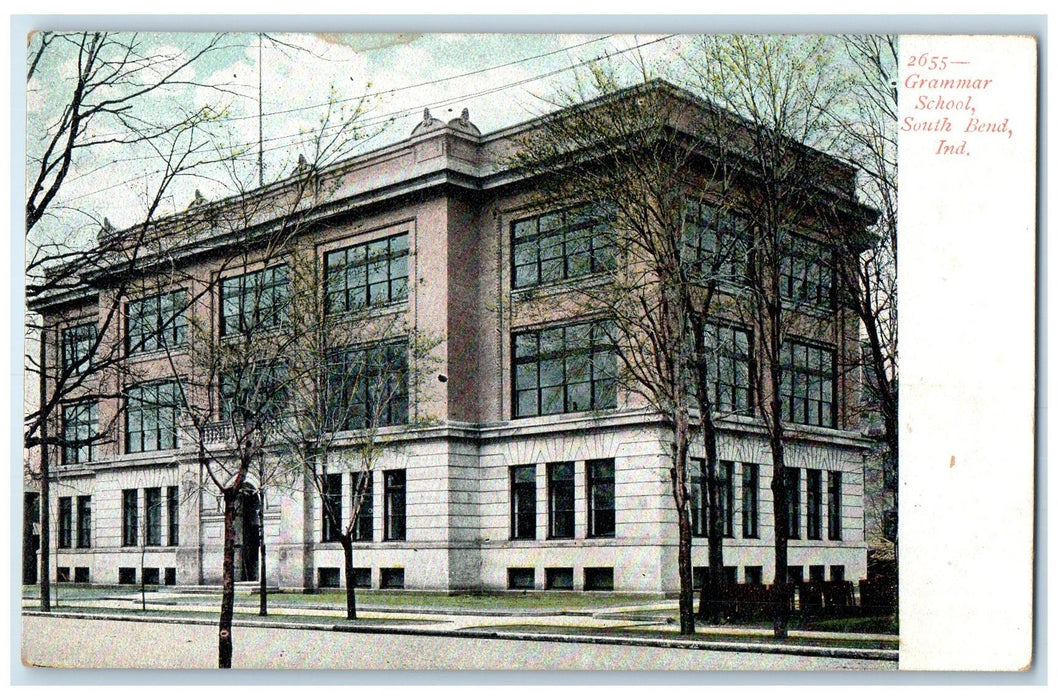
<point>235,382</point>
<point>101,105</point>
<point>104,104</point>
<point>785,90</point>
<point>78,355</point>
<point>868,126</point>
<point>357,374</point>
<point>231,386</point>
<point>634,170</point>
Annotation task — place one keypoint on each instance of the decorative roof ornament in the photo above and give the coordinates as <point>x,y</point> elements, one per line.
<point>428,123</point>
<point>106,230</point>
<point>463,123</point>
<point>303,165</point>
<point>198,201</point>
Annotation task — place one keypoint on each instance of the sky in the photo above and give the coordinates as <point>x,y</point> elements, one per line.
<point>502,79</point>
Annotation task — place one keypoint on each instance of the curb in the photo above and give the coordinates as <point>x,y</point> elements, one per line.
<point>749,647</point>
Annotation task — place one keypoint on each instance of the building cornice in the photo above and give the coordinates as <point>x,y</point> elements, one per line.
<point>437,157</point>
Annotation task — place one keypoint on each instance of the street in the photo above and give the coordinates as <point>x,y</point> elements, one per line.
<point>78,643</point>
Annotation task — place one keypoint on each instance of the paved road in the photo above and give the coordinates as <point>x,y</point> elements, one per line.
<point>76,643</point>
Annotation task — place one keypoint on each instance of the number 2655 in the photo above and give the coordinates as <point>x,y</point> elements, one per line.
<point>927,61</point>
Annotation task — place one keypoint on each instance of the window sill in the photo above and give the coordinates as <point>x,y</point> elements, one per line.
<point>808,309</point>
<point>548,289</point>
<point>141,453</point>
<point>157,353</point>
<point>567,414</point>
<point>71,466</point>
<point>372,311</point>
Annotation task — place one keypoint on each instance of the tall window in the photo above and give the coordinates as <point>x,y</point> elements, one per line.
<point>725,489</point>
<point>561,245</point>
<point>560,500</point>
<point>77,344</point>
<point>254,301</point>
<point>369,386</point>
<point>728,368</point>
<point>395,499</point>
<point>152,502</point>
<point>807,388</point>
<point>601,498</point>
<point>564,369</point>
<point>156,322</point>
<point>79,433</point>
<point>792,481</point>
<point>84,522</point>
<point>715,244</point>
<point>523,502</point>
<point>368,274</point>
<point>172,508</point>
<point>130,523</point>
<point>699,513</point>
<point>364,529</point>
<point>256,392</point>
<point>150,417</point>
<point>332,507</point>
<point>805,274</point>
<point>750,500</point>
<point>815,503</point>
<point>65,522</point>
<point>700,517</point>
<point>834,505</point>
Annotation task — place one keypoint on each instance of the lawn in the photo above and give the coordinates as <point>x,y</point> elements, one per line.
<point>553,601</point>
<point>887,624</point>
<point>207,615</point>
<point>497,602</point>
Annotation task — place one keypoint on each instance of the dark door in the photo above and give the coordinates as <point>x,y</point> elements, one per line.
<point>30,538</point>
<point>248,537</point>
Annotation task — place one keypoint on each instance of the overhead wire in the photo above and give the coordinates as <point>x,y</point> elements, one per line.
<point>288,141</point>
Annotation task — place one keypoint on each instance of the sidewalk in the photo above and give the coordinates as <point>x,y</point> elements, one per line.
<point>648,624</point>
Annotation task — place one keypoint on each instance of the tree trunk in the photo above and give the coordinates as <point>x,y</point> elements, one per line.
<point>143,557</point>
<point>350,580</point>
<point>716,585</point>
<point>774,420</point>
<point>782,536</point>
<point>263,576</point>
<point>686,577</point>
<point>680,491</point>
<point>227,599</point>
<point>45,489</point>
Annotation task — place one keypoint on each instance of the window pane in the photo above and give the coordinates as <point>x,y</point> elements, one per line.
<point>566,244</point>
<point>523,502</point>
<point>551,400</point>
<point>395,502</point>
<point>525,376</point>
<point>375,272</point>
<point>526,404</point>
<point>807,385</point>
<point>568,366</point>
<point>601,497</point>
<point>578,397</point>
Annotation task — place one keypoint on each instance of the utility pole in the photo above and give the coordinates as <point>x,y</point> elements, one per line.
<point>260,113</point>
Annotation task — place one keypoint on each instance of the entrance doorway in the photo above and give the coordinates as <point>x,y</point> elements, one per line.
<point>30,537</point>
<point>247,535</point>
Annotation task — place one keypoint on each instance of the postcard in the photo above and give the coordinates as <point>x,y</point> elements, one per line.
<point>529,351</point>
